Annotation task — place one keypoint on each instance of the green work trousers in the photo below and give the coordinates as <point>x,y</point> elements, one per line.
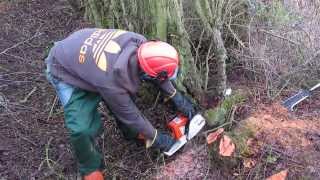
<point>83,121</point>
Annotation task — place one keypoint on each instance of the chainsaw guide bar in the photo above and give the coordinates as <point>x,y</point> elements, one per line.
<point>178,129</point>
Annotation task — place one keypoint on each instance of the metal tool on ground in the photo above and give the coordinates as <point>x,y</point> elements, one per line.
<point>292,101</point>
<point>178,130</point>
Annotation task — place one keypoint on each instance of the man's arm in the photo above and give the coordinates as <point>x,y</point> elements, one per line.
<point>182,103</point>
<point>127,112</point>
<point>168,88</point>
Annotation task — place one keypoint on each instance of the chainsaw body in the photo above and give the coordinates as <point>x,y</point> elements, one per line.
<point>178,128</point>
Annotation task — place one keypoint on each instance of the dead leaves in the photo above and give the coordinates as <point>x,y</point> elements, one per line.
<point>282,175</point>
<point>226,146</point>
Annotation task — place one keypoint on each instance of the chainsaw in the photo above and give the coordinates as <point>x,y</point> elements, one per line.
<point>183,130</point>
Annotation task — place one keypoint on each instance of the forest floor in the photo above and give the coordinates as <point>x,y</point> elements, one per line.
<point>34,143</point>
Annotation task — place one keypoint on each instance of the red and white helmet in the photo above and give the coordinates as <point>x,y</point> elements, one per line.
<point>157,58</point>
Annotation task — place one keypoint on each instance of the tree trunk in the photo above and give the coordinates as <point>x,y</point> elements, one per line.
<point>75,4</point>
<point>211,14</point>
<point>160,19</point>
<point>163,19</point>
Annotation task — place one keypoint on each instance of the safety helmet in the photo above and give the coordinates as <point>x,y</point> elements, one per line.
<point>158,59</point>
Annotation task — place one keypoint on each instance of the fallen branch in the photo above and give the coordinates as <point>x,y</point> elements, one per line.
<point>17,57</point>
<point>28,95</point>
<point>51,109</point>
<point>28,140</point>
<point>156,101</point>
<point>214,129</point>
<point>19,43</point>
<point>278,36</point>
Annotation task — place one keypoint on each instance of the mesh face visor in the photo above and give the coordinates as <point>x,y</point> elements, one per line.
<point>175,75</point>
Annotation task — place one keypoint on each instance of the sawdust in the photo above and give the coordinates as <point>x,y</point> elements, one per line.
<point>193,163</point>
<point>295,138</point>
<point>274,123</point>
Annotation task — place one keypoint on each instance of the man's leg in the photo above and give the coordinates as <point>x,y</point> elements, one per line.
<point>84,122</point>
<point>82,119</point>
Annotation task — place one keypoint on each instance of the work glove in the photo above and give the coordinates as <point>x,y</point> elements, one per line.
<point>162,141</point>
<point>183,105</point>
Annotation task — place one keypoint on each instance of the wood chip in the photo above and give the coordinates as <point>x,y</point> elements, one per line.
<point>226,147</point>
<point>282,175</point>
<point>212,137</point>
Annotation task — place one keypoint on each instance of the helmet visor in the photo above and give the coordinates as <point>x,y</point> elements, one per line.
<point>175,75</point>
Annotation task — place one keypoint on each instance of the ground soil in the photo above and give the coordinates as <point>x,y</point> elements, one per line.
<point>34,143</point>
<point>291,139</point>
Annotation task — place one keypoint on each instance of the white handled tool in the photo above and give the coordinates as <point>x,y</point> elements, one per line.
<point>297,98</point>
<point>178,130</point>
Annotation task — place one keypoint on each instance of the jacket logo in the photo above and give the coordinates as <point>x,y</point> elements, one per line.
<point>104,43</point>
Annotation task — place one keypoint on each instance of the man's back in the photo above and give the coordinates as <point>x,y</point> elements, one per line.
<point>92,58</point>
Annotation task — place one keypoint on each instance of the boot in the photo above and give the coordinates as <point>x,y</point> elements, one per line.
<point>96,175</point>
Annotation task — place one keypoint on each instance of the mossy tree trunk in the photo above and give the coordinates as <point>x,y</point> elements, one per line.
<point>211,15</point>
<point>163,19</point>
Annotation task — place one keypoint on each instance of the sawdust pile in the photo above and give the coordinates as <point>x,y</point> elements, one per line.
<point>275,125</point>
<point>193,163</point>
<point>296,140</point>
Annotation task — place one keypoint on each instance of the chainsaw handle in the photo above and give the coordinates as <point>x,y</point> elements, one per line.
<point>315,87</point>
<point>186,127</point>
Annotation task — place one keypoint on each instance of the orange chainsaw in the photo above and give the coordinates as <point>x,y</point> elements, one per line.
<point>183,130</point>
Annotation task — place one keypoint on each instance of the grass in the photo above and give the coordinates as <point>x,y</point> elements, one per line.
<point>223,113</point>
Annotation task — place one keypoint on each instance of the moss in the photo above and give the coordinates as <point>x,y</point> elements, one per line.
<point>224,164</point>
<point>105,22</point>
<point>232,100</point>
<point>216,117</point>
<point>240,137</point>
<point>219,115</point>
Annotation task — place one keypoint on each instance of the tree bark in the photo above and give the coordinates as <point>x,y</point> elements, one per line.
<point>210,13</point>
<point>160,19</point>
<point>164,20</point>
<point>75,4</point>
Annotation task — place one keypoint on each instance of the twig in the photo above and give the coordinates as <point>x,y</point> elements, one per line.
<point>5,69</point>
<point>28,140</point>
<point>22,42</point>
<point>13,115</point>
<point>231,115</point>
<point>51,110</point>
<point>28,95</point>
<point>207,68</point>
<point>214,129</point>
<point>156,101</point>
<point>235,35</point>
<point>278,36</point>
<point>49,161</point>
<point>128,169</point>
<point>17,57</point>
<point>47,153</point>
<point>281,153</point>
